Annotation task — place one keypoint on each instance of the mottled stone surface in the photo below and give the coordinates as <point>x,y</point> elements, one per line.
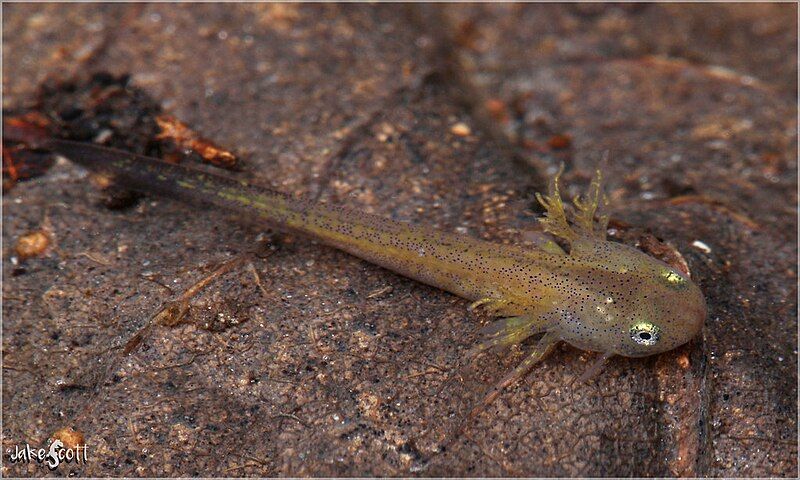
<point>334,366</point>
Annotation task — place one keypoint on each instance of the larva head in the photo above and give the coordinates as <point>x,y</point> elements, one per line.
<point>630,304</point>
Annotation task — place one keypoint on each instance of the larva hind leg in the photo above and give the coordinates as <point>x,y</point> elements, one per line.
<point>543,347</point>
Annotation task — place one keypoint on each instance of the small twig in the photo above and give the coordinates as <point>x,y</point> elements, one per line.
<point>95,258</point>
<point>173,312</point>
<point>162,285</point>
<point>178,365</point>
<point>290,416</point>
<point>257,278</point>
<point>380,291</point>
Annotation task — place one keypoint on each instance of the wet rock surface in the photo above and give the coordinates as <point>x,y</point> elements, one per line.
<point>311,362</point>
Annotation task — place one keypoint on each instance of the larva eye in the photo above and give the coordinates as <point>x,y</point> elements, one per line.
<point>645,333</point>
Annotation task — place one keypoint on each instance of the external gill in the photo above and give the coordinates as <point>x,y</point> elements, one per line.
<point>586,208</point>
<point>555,221</point>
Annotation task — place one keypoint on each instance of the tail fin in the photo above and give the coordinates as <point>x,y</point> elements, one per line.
<point>151,175</point>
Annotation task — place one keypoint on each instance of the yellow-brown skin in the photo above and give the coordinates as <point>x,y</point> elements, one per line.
<point>601,296</point>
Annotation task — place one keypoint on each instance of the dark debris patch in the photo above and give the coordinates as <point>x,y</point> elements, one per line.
<point>102,108</point>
